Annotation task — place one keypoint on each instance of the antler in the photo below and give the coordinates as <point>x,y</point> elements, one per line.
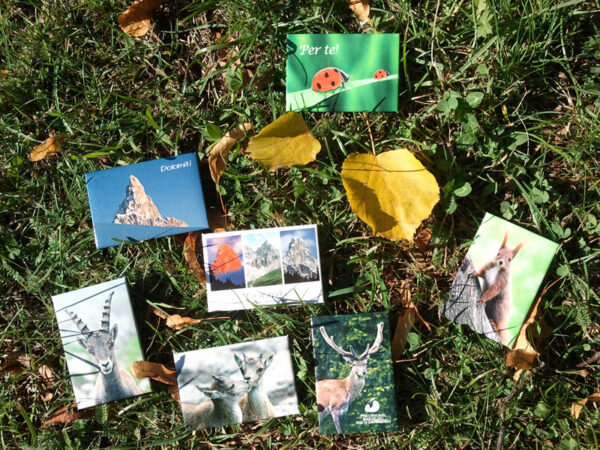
<point>80,324</point>
<point>333,345</point>
<point>106,313</point>
<point>376,343</point>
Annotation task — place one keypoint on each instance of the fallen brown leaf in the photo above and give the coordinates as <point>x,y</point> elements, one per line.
<point>177,322</point>
<point>362,9</point>
<point>405,322</point>
<point>422,239</point>
<point>15,362</point>
<point>577,406</point>
<point>522,355</point>
<point>64,415</point>
<point>160,314</point>
<point>190,253</point>
<point>217,157</point>
<point>49,147</point>
<point>136,20</point>
<point>156,371</point>
<point>46,374</point>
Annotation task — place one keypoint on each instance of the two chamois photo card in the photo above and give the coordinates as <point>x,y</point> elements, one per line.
<point>342,72</point>
<point>144,200</point>
<point>236,383</point>
<point>272,266</point>
<point>100,341</point>
<point>354,373</point>
<point>499,279</point>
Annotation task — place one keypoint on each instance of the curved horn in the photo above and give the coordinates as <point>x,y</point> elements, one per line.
<point>80,324</point>
<point>105,324</point>
<point>333,345</point>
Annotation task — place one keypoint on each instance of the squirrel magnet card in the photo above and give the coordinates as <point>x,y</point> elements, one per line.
<point>342,72</point>
<point>499,279</point>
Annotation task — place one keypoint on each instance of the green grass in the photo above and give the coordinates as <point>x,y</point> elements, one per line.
<point>268,279</point>
<point>499,101</point>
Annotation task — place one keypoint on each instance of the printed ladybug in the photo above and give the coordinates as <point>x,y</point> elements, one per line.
<point>381,74</point>
<point>328,79</point>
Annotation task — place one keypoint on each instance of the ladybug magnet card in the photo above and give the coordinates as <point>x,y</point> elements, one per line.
<point>342,72</point>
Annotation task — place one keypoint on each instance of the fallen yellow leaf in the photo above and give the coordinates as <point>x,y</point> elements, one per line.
<point>392,192</point>
<point>286,142</point>
<point>576,407</point>
<point>217,158</point>
<point>156,371</point>
<point>177,322</point>
<point>136,20</point>
<point>362,9</point>
<point>49,147</point>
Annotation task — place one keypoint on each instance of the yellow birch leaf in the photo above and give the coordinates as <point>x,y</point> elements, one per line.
<point>49,147</point>
<point>577,406</point>
<point>136,20</point>
<point>217,158</point>
<point>286,142</point>
<point>392,192</point>
<point>362,9</point>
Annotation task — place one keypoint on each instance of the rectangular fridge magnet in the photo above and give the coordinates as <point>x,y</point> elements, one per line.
<point>498,281</point>
<point>100,340</point>
<point>354,373</point>
<point>146,200</point>
<point>236,383</point>
<point>271,266</point>
<point>342,72</point>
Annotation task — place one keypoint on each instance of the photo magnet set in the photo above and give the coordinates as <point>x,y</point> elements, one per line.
<point>342,72</point>
<point>499,279</point>
<point>100,340</point>
<point>236,383</point>
<point>145,200</point>
<point>271,266</point>
<point>354,373</point>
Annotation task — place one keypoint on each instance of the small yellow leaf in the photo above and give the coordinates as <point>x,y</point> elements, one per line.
<point>576,407</point>
<point>156,371</point>
<point>217,158</point>
<point>392,192</point>
<point>136,20</point>
<point>361,8</point>
<point>177,322</point>
<point>286,142</point>
<point>49,147</point>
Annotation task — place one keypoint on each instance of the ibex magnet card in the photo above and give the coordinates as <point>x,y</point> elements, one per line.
<point>354,374</point>
<point>236,383</point>
<point>499,279</point>
<point>100,340</point>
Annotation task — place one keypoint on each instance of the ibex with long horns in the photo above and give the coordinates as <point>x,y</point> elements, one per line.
<point>112,383</point>
<point>335,396</point>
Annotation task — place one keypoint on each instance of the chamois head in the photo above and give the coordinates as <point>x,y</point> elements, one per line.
<point>100,344</point>
<point>253,367</point>
<point>224,388</point>
<point>358,362</point>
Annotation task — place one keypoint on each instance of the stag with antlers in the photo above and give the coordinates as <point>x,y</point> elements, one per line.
<point>335,396</point>
<point>112,383</point>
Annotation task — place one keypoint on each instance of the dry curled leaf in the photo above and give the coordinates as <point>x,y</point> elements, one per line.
<point>286,142</point>
<point>66,415</point>
<point>392,192</point>
<point>191,247</point>
<point>136,20</point>
<point>49,147</point>
<point>362,9</point>
<point>405,322</point>
<point>217,158</point>
<point>156,371</point>
<point>159,313</point>
<point>177,322</point>
<point>47,375</point>
<point>522,355</point>
<point>577,406</point>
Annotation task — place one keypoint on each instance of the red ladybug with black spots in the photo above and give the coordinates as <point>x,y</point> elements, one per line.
<point>328,79</point>
<point>381,74</point>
